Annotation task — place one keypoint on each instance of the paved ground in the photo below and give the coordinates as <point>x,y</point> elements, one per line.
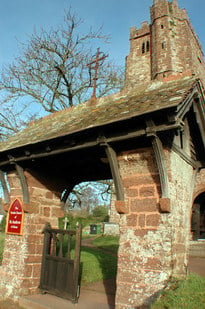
<point>94,296</point>
<point>197,265</point>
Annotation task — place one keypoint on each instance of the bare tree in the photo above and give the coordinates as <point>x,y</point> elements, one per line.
<point>52,72</point>
<point>52,68</point>
<point>87,195</point>
<point>13,119</point>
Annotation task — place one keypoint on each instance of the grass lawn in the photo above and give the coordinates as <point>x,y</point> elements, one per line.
<point>96,265</point>
<point>188,293</point>
<point>107,243</point>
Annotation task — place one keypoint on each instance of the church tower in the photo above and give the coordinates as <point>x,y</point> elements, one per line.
<point>167,47</point>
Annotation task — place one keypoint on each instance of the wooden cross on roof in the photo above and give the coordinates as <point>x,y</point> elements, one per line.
<point>93,65</point>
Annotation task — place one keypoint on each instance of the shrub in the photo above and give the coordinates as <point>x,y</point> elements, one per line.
<point>100,212</point>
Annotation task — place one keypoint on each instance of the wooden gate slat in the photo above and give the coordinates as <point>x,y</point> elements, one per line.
<point>60,254</point>
<point>54,241</point>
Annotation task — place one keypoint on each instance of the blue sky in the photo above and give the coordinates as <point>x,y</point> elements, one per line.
<point>18,18</point>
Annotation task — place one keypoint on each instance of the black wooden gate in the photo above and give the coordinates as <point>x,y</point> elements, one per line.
<point>61,262</point>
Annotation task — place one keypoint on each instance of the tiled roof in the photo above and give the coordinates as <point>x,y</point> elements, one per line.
<point>141,100</point>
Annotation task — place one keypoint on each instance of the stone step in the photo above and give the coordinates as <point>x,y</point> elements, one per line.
<point>197,248</point>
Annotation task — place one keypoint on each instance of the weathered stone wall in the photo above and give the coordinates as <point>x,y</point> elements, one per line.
<point>175,46</point>
<point>114,216</point>
<point>20,270</point>
<point>153,245</point>
<point>180,192</point>
<point>138,66</point>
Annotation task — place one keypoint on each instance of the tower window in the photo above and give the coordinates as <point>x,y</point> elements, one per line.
<point>163,45</point>
<point>143,47</point>
<point>147,48</point>
<point>199,59</point>
<point>162,26</point>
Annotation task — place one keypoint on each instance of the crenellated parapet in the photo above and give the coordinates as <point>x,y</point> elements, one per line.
<point>144,30</point>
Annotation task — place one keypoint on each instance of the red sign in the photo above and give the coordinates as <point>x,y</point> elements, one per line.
<point>15,217</point>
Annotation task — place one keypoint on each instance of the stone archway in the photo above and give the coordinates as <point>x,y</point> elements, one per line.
<point>198,217</point>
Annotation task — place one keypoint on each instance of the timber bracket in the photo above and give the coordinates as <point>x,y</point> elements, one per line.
<point>22,178</point>
<point>158,150</point>
<point>23,182</point>
<point>114,167</point>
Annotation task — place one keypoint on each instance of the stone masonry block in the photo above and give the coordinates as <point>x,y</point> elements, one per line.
<point>130,181</point>
<point>141,232</point>
<point>28,270</point>
<point>49,195</point>
<point>141,222</point>
<point>46,211</point>
<point>57,212</point>
<point>147,191</point>
<point>152,220</point>
<point>33,259</point>
<point>132,192</point>
<point>132,220</point>
<point>36,270</point>
<point>138,180</point>
<point>145,205</point>
<point>31,248</point>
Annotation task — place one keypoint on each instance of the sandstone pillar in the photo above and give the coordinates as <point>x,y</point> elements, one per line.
<point>153,245</point>
<point>20,269</point>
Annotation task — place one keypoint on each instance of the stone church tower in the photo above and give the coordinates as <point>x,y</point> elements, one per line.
<point>167,47</point>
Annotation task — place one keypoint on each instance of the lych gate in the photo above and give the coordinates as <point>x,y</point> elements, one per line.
<point>149,138</point>
<point>151,172</point>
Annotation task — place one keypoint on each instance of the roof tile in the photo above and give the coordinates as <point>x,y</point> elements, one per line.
<point>113,108</point>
